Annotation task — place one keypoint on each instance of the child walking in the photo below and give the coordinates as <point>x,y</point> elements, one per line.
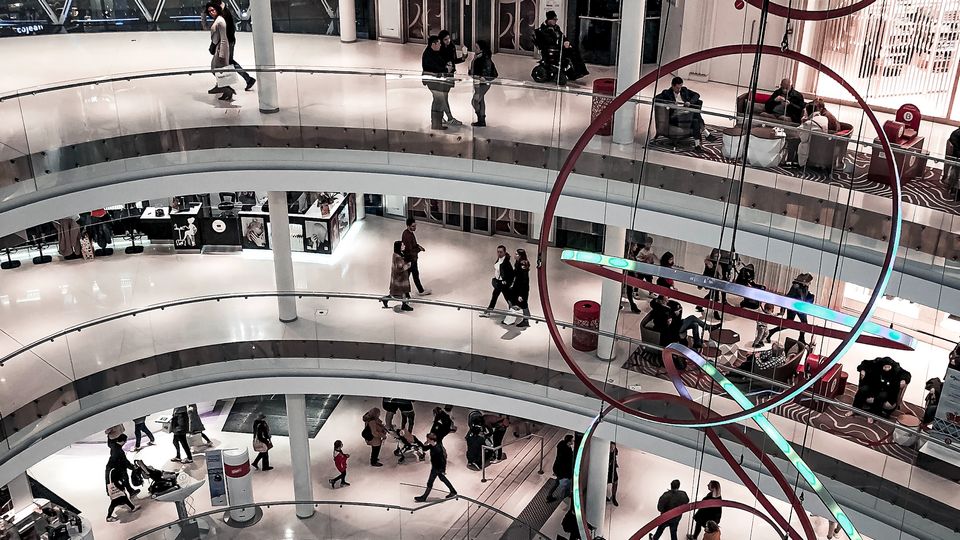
<point>340,461</point>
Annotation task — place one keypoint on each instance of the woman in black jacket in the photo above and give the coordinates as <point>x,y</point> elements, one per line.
<point>262,443</point>
<point>703,515</point>
<point>483,70</point>
<point>179,426</point>
<point>437,76</point>
<point>520,288</point>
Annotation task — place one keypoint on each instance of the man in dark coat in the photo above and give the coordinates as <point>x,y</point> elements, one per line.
<point>881,381</point>
<point>786,101</point>
<point>502,279</point>
<point>438,77</point>
<point>670,499</point>
<point>553,38</point>
<point>680,95</point>
<point>438,468</point>
<point>442,423</point>
<point>563,468</point>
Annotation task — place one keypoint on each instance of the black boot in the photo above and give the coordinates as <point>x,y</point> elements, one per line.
<point>481,121</point>
<point>228,94</point>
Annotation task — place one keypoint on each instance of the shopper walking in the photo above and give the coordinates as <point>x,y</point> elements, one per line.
<point>196,424</point>
<point>114,481</point>
<point>118,459</point>
<point>262,443</point>
<point>799,290</point>
<point>232,39</point>
<point>139,429</point>
<point>562,468</point>
<point>451,57</point>
<point>412,250</point>
<point>670,499</point>
<point>340,462</point>
<point>520,288</point>
<point>613,474</point>
<point>704,515</point>
<point>220,49</point>
<point>502,279</point>
<point>374,433</point>
<point>438,78</point>
<point>438,468</point>
<point>442,422</point>
<point>483,70</point>
<point>399,278</point>
<point>179,425</point>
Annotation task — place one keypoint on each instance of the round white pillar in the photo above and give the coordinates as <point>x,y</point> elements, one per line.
<point>611,294</point>
<point>282,258</point>
<point>347,11</point>
<point>300,453</point>
<point>629,56</point>
<point>261,17</point>
<point>598,463</point>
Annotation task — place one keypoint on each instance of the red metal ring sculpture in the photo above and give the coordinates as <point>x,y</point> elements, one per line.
<point>605,115</point>
<point>790,12</point>
<point>775,518</point>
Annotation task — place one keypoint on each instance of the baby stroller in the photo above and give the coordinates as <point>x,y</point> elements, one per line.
<point>408,444</point>
<point>160,482</point>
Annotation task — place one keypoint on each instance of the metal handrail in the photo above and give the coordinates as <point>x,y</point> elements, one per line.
<point>133,312</point>
<point>483,454</point>
<point>317,503</point>
<point>400,73</point>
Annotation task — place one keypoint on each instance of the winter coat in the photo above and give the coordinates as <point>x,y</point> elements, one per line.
<point>563,464</point>
<point>436,75</point>
<point>703,515</point>
<point>672,499</point>
<point>438,458</point>
<point>483,68</point>
<point>340,461</point>
<point>399,276</point>
<point>180,422</point>
<point>196,424</point>
<point>377,429</point>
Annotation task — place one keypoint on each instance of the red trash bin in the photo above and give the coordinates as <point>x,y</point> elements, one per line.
<point>606,87</point>
<point>586,314</point>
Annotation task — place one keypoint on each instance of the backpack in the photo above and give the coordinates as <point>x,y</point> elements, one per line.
<point>366,433</point>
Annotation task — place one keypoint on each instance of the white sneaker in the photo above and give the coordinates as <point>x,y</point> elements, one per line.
<point>426,292</point>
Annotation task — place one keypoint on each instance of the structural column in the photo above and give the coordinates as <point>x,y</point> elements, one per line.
<point>21,495</point>
<point>347,10</point>
<point>611,294</point>
<point>282,258</point>
<point>598,463</point>
<point>300,453</point>
<point>263,54</point>
<point>361,209</point>
<point>629,52</point>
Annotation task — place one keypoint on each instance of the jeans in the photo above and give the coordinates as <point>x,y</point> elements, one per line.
<point>695,325</point>
<point>439,97</point>
<point>406,420</point>
<point>263,457</point>
<point>434,474</point>
<point>498,289</point>
<point>140,429</point>
<point>388,421</point>
<point>478,102</point>
<point>180,441</point>
<point>673,530</point>
<point>564,485</point>
<point>114,503</point>
<point>791,315</point>
<point>415,275</point>
<point>374,454</point>
<point>342,477</point>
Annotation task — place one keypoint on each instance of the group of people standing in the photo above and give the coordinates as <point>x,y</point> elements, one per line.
<point>439,63</point>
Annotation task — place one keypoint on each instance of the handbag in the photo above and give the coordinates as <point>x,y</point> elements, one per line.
<point>213,48</point>
<point>136,478</point>
<point>113,491</point>
<point>260,446</point>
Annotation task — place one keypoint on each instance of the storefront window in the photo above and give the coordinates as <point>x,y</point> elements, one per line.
<point>23,18</point>
<point>103,15</point>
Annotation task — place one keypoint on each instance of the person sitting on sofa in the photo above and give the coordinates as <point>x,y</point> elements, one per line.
<point>881,382</point>
<point>774,357</point>
<point>813,120</point>
<point>786,102</point>
<point>820,107</point>
<point>680,95</point>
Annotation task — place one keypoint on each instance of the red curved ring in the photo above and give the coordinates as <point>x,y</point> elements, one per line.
<point>605,115</point>
<point>781,10</point>
<point>788,490</point>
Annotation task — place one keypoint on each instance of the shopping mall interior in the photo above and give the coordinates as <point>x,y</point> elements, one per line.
<point>538,269</point>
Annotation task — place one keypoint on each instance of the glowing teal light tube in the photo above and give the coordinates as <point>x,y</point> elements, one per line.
<point>760,295</point>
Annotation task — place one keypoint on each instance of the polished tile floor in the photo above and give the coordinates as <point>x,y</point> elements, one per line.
<point>76,473</point>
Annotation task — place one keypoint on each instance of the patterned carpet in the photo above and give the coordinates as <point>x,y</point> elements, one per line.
<point>831,420</point>
<point>926,191</point>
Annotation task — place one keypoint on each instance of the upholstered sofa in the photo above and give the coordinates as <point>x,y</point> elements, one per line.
<point>678,131</point>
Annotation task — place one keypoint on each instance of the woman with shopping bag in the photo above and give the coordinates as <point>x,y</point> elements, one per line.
<point>220,49</point>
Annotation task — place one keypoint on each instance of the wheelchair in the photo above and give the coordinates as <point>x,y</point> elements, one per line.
<point>548,68</point>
